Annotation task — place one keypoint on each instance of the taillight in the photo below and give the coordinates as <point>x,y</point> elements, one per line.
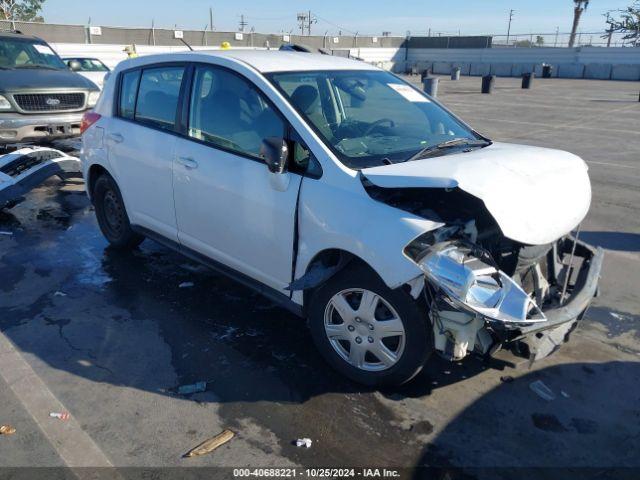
<point>88,119</point>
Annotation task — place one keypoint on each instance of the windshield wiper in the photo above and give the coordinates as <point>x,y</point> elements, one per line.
<point>455,142</point>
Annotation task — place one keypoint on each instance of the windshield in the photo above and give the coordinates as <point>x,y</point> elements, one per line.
<point>88,64</point>
<point>20,53</point>
<point>370,118</point>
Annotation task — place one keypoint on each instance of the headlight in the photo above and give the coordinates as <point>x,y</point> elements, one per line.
<point>4,104</point>
<point>93,99</point>
<point>475,285</point>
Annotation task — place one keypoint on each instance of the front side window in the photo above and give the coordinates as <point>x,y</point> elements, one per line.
<point>17,53</point>
<point>369,118</point>
<point>158,94</point>
<point>228,112</point>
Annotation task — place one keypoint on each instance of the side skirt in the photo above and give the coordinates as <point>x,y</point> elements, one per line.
<point>276,297</point>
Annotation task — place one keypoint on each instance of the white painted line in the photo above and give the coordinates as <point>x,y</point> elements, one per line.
<point>75,447</point>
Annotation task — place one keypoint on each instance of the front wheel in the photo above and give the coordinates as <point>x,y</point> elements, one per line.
<point>372,334</point>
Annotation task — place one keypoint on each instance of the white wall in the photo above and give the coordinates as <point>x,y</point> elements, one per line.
<point>591,62</point>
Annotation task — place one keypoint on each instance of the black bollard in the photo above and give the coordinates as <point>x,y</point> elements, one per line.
<point>430,85</point>
<point>487,83</point>
<point>527,79</point>
<point>455,73</point>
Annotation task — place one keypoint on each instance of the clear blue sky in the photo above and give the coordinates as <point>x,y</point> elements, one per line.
<point>366,17</point>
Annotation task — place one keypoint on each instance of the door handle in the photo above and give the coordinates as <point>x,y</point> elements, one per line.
<point>188,162</point>
<point>116,137</point>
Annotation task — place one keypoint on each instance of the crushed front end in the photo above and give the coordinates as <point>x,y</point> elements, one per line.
<point>526,299</point>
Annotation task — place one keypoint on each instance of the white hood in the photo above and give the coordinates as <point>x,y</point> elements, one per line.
<point>536,195</point>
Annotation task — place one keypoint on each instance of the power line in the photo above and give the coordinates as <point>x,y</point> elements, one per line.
<point>334,24</point>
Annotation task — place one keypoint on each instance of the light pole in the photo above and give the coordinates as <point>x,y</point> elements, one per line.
<point>511,12</point>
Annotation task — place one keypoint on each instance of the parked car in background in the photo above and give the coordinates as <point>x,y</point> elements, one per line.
<point>40,98</point>
<point>349,197</point>
<point>91,68</point>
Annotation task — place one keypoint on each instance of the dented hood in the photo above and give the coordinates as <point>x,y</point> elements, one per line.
<point>536,195</point>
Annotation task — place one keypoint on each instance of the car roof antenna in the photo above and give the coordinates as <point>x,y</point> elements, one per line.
<point>188,46</point>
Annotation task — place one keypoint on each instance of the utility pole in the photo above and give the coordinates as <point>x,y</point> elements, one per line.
<point>311,21</point>
<point>243,23</point>
<point>302,21</point>
<point>610,31</point>
<point>211,19</point>
<point>511,12</point>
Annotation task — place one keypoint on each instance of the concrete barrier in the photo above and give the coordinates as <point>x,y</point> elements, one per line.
<point>501,69</point>
<point>571,70</point>
<point>625,72</point>
<point>599,71</point>
<point>465,68</point>
<point>479,69</point>
<point>442,68</point>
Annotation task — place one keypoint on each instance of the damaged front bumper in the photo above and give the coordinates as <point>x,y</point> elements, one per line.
<point>475,307</point>
<point>25,169</point>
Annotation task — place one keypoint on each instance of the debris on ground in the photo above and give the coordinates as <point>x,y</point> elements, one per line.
<point>210,445</point>
<point>304,442</point>
<point>186,285</point>
<point>59,294</point>
<point>7,430</point>
<point>8,234</point>
<point>193,388</point>
<point>541,389</point>
<point>62,416</point>
<point>506,379</point>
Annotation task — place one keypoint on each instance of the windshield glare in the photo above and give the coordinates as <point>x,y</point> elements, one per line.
<point>18,53</point>
<point>369,118</point>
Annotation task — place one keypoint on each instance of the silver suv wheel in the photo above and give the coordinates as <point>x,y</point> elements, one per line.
<point>364,329</point>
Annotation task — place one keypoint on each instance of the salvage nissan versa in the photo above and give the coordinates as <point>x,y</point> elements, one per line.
<point>349,197</point>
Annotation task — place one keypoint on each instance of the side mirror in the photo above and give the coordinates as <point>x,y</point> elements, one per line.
<point>75,66</point>
<point>275,152</point>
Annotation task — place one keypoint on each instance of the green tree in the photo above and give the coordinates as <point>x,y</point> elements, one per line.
<point>579,6</point>
<point>627,22</point>
<point>21,10</point>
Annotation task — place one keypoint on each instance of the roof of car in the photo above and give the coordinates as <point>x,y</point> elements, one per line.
<point>267,61</point>
<point>18,35</point>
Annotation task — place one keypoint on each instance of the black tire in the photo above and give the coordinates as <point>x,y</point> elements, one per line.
<point>112,215</point>
<point>418,343</point>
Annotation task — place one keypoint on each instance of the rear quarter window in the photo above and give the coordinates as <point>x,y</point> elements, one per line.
<point>128,92</point>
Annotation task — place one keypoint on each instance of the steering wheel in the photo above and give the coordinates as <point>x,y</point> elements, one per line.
<point>377,123</point>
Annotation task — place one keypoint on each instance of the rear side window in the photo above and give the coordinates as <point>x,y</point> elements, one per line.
<point>158,94</point>
<point>128,91</point>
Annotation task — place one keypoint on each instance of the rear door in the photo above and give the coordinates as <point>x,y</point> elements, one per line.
<point>141,139</point>
<point>228,205</point>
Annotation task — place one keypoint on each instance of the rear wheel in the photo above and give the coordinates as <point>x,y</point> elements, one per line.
<point>112,215</point>
<point>372,334</point>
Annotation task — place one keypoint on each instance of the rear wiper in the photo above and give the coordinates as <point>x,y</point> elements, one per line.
<point>456,142</point>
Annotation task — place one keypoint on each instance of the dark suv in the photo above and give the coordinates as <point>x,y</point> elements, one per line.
<point>40,98</point>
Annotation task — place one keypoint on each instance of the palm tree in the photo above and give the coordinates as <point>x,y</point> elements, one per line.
<point>580,6</point>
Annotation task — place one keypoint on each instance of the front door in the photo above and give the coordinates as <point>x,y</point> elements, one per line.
<point>229,207</point>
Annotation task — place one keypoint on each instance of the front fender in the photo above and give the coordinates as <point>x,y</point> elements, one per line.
<point>332,217</point>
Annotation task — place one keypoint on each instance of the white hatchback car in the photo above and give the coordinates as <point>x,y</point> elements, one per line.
<point>349,197</point>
